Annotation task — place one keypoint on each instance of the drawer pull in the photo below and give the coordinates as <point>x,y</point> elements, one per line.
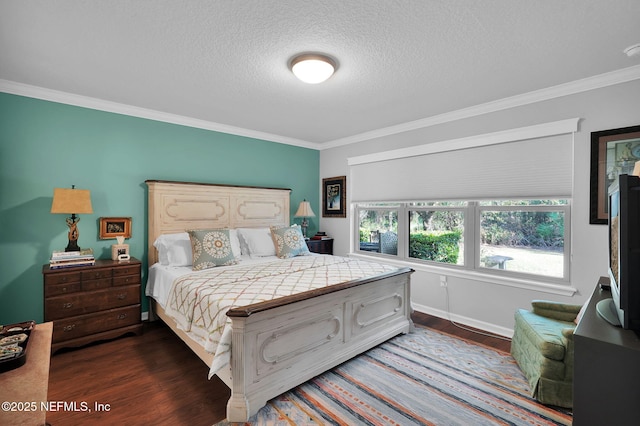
<point>122,316</point>
<point>122,296</point>
<point>63,279</point>
<point>67,305</point>
<point>68,328</point>
<point>64,289</point>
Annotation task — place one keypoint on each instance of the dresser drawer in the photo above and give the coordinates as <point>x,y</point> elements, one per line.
<point>126,280</point>
<point>62,278</point>
<point>126,270</point>
<point>83,303</point>
<point>96,284</point>
<point>96,274</point>
<point>71,328</point>
<point>64,288</point>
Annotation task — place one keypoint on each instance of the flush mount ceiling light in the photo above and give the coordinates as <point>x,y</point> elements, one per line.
<point>632,50</point>
<point>312,68</point>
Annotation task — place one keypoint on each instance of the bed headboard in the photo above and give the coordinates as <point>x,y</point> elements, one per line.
<point>178,206</point>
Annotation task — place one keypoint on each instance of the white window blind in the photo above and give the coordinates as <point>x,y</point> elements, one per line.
<point>530,167</point>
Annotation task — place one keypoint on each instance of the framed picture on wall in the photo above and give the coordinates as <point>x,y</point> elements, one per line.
<point>112,227</point>
<point>334,197</point>
<point>613,152</point>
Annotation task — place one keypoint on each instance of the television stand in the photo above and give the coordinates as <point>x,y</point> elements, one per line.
<point>606,308</point>
<point>606,371</point>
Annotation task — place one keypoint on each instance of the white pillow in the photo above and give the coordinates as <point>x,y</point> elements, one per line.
<point>244,247</point>
<point>176,250</point>
<point>259,241</point>
<point>235,242</point>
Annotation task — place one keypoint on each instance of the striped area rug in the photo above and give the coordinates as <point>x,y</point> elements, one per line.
<point>423,378</point>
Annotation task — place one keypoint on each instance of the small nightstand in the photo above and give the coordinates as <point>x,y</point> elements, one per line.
<point>321,246</point>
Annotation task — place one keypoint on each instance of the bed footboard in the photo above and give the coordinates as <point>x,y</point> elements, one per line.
<point>278,348</point>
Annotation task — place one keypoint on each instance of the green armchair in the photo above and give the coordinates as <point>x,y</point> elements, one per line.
<point>542,345</point>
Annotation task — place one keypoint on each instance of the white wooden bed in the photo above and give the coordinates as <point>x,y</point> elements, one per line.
<point>278,344</point>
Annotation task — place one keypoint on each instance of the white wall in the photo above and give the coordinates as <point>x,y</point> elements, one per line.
<point>485,304</point>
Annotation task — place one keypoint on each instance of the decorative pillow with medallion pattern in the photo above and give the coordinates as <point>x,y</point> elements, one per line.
<point>289,241</point>
<point>211,248</point>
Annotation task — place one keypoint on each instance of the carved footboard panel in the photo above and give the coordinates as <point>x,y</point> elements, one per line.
<point>276,348</point>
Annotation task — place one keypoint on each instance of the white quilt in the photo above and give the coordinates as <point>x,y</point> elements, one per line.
<point>199,302</point>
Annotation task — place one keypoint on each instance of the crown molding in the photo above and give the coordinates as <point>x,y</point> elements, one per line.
<point>586,84</point>
<point>42,93</point>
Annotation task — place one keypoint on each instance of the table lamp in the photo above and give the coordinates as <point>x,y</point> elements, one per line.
<point>304,211</point>
<point>72,201</point>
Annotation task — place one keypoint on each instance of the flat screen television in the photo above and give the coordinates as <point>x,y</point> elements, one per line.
<point>624,251</point>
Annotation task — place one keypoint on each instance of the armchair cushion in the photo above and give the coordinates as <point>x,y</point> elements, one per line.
<point>544,333</point>
<point>556,310</point>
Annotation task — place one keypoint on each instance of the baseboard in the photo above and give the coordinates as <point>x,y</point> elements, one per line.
<point>459,319</point>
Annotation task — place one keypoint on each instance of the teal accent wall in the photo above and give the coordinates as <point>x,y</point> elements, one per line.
<point>44,145</point>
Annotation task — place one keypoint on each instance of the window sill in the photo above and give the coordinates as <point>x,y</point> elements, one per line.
<point>527,284</point>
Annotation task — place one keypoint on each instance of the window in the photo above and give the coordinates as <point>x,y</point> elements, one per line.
<point>519,238</point>
<point>523,236</point>
<point>378,228</point>
<point>436,232</point>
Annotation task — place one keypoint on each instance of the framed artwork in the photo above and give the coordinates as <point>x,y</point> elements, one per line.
<point>112,227</point>
<point>334,197</point>
<point>613,152</point>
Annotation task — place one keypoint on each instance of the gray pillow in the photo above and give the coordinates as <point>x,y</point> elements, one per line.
<point>289,241</point>
<point>211,248</point>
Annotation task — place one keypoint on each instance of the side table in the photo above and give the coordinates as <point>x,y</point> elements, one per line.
<point>324,246</point>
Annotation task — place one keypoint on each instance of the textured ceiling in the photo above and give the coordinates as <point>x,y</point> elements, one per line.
<point>225,62</point>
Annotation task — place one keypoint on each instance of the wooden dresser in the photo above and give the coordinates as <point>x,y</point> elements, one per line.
<point>90,303</point>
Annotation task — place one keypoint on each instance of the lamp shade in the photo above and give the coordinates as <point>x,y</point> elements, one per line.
<point>71,201</point>
<point>304,210</point>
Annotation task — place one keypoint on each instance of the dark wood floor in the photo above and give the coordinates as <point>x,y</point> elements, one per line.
<point>155,379</point>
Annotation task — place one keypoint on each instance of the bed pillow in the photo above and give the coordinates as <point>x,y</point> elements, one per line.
<point>211,248</point>
<point>244,247</point>
<point>289,241</point>
<point>174,249</point>
<point>258,241</point>
<point>235,242</point>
